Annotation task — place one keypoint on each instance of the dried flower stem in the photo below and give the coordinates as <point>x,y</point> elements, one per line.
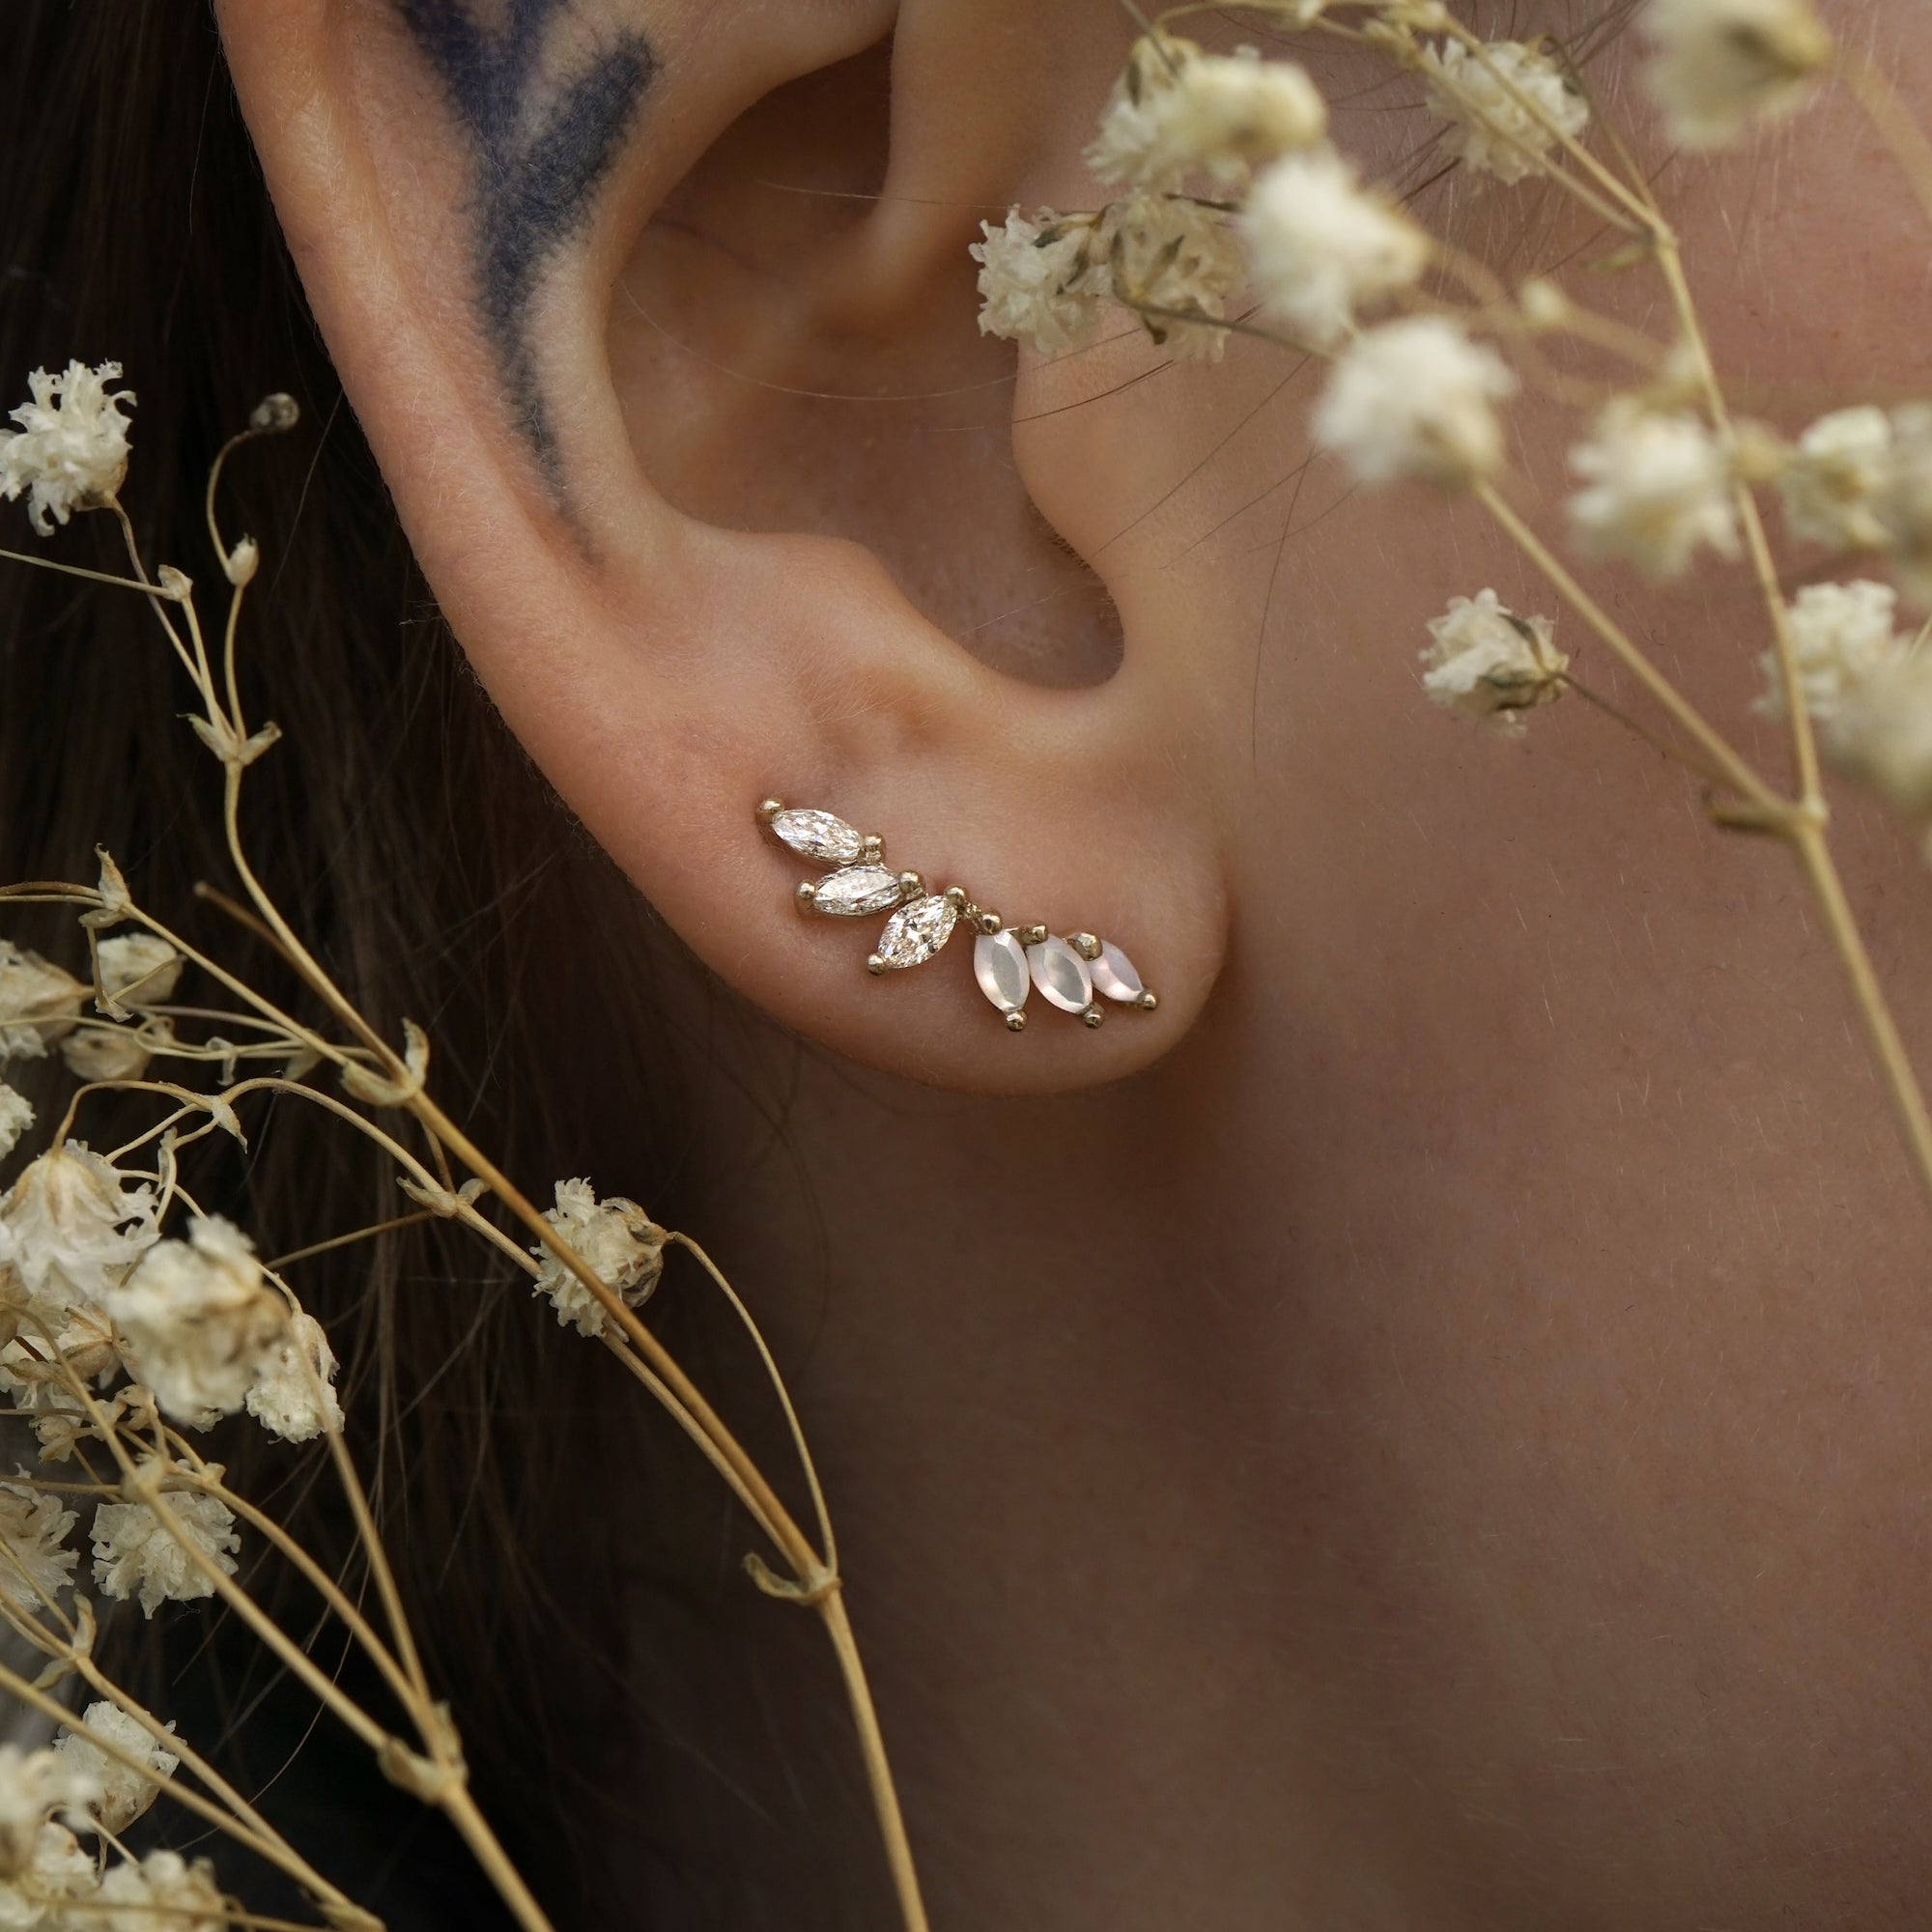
<point>1869,86</point>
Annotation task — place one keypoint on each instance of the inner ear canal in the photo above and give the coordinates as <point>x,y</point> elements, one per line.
<point>762,392</point>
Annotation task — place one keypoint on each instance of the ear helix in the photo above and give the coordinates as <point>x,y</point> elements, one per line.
<point>1009,963</point>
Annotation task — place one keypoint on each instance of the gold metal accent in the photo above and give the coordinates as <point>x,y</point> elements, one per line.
<point>875,965</point>
<point>805,893</point>
<point>912,885</point>
<point>1148,1000</point>
<point>872,850</point>
<point>770,809</point>
<point>989,923</point>
<point>1093,1014</point>
<point>1016,1022</point>
<point>1031,935</point>
<point>955,897</point>
<point>1086,944</point>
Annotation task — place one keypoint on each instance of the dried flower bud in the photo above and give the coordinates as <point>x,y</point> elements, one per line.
<point>16,1116</point>
<point>1042,279</point>
<point>243,561</point>
<point>1659,487</point>
<point>1415,399</point>
<point>134,1552</point>
<point>275,416</point>
<point>621,1242</point>
<point>124,1793</point>
<point>70,452</point>
<point>32,1786</point>
<point>1831,480</point>
<point>1487,664</point>
<point>39,1003</point>
<point>1842,635</point>
<point>1489,129</point>
<point>1881,736</point>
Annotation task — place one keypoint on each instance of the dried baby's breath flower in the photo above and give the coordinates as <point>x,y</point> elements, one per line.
<point>32,1786</point>
<point>39,1003</point>
<point>112,1053</point>
<point>1179,259</point>
<point>75,1225</point>
<point>134,1551</point>
<point>1904,505</point>
<point>622,1244</point>
<point>1832,478</point>
<point>294,1396</point>
<point>70,451</point>
<point>57,1870</point>
<point>16,1116</point>
<point>1659,488</point>
<point>124,1793</point>
<point>35,1565</point>
<point>197,1321</point>
<point>1043,279</point>
<point>139,969</point>
<point>1415,399</point>
<point>1176,111</point>
<point>1881,736</point>
<point>1487,664</point>
<point>1489,129</point>
<point>1840,635</point>
<point>1321,246</point>
<point>162,1890</point>
<point>1717,66</point>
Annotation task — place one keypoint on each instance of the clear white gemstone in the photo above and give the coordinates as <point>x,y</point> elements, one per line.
<point>1000,965</point>
<point>917,932</point>
<point>1061,975</point>
<point>1114,973</point>
<point>818,835</point>
<point>859,889</point>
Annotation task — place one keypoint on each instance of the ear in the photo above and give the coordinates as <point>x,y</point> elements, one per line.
<point>465,185</point>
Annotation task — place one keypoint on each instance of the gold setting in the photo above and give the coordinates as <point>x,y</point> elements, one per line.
<point>1072,972</point>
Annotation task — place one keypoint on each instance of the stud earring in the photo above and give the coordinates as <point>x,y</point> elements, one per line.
<point>1007,961</point>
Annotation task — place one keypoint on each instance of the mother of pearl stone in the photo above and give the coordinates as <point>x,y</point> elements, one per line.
<point>1061,975</point>
<point>1114,973</point>
<point>1000,965</point>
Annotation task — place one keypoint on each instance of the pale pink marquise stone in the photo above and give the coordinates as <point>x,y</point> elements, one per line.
<point>1061,975</point>
<point>1114,973</point>
<point>818,835</point>
<point>1000,965</point>
<point>917,932</point>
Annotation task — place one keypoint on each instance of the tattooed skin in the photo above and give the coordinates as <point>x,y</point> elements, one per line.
<point>543,148</point>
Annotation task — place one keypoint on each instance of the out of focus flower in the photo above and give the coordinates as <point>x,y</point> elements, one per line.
<point>1321,246</point>
<point>16,1116</point>
<point>1180,260</point>
<point>162,1890</point>
<point>1840,635</point>
<point>71,1227</point>
<point>1659,488</point>
<point>34,1566</point>
<point>32,1786</point>
<point>1832,478</point>
<point>39,1003</point>
<point>1717,66</point>
<point>1415,399</point>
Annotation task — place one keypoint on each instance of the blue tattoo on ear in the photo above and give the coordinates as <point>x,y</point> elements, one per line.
<point>541,161</point>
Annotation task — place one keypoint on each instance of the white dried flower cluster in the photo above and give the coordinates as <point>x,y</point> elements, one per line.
<point>1881,735</point>
<point>1659,488</point>
<point>134,1550</point>
<point>163,1890</point>
<point>71,451</point>
<point>139,971</point>
<point>1841,636</point>
<point>57,1870</point>
<point>1322,247</point>
<point>39,1003</point>
<point>1176,112</point>
<point>1834,477</point>
<point>1718,66</point>
<point>293,1394</point>
<point>16,1116</point>
<point>1486,663</point>
<point>34,1785</point>
<point>1415,399</point>
<point>1904,502</point>
<point>34,1566</point>
<point>1490,129</point>
<point>197,1321</point>
<point>71,1227</point>
<point>624,1246</point>
<point>1043,279</point>
<point>124,1794</point>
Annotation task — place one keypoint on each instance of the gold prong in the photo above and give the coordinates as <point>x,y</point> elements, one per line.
<point>1093,1014</point>
<point>955,897</point>
<point>770,809</point>
<point>912,885</point>
<point>875,965</point>
<point>989,923</point>
<point>874,850</point>
<point>1148,1000</point>
<point>1085,945</point>
<point>1032,935</point>
<point>805,893</point>
<point>1016,1023</point>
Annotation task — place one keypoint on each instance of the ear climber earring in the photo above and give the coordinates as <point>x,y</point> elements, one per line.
<point>1008,961</point>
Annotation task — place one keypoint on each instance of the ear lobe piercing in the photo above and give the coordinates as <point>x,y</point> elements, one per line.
<point>1009,963</point>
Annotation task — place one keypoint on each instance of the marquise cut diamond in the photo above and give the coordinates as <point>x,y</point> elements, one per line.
<point>818,835</point>
<point>858,888</point>
<point>917,932</point>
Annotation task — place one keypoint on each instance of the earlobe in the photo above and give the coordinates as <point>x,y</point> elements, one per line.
<point>668,675</point>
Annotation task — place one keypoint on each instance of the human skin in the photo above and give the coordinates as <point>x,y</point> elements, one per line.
<point>1428,1433</point>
